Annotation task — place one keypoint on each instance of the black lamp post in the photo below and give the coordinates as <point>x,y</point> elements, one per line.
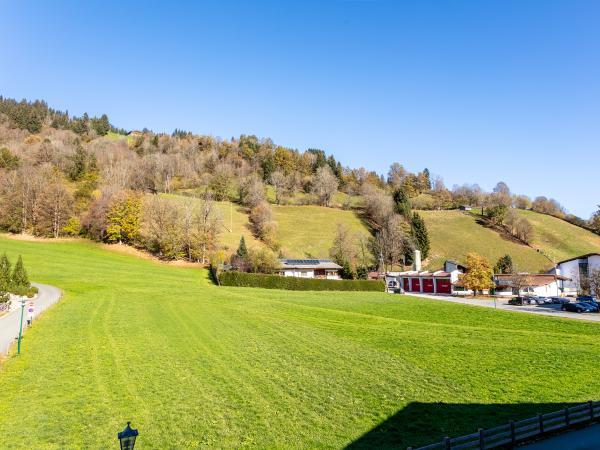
<point>127,437</point>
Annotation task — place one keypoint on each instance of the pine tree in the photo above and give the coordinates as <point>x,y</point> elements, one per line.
<point>419,232</point>
<point>401,203</point>
<point>504,265</point>
<point>4,273</point>
<point>19,275</point>
<point>242,251</point>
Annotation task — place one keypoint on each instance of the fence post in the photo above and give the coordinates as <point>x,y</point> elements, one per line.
<point>447,443</point>
<point>591,403</point>
<point>541,421</point>
<point>481,439</point>
<point>513,437</point>
<point>567,418</point>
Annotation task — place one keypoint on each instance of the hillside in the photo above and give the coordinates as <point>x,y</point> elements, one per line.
<point>193,365</point>
<point>453,234</point>
<point>559,239</point>
<point>308,231</point>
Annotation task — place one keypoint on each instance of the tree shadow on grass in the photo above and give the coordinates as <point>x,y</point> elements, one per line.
<point>420,424</point>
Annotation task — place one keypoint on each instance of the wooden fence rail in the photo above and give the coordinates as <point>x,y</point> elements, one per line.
<point>514,432</point>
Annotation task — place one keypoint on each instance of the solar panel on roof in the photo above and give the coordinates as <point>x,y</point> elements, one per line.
<point>302,261</point>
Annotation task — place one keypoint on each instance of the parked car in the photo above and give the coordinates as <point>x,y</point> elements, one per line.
<point>539,300</point>
<point>559,300</point>
<point>589,300</point>
<point>519,301</point>
<point>578,307</point>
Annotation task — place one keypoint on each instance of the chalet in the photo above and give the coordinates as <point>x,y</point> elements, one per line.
<point>577,269</point>
<point>540,284</point>
<point>309,268</point>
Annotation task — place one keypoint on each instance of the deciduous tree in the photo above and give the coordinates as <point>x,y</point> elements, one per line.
<point>479,276</point>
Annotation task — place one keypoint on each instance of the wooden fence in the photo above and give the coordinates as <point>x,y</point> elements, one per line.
<point>514,432</point>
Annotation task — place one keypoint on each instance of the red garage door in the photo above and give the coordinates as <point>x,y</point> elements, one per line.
<point>428,285</point>
<point>415,285</point>
<point>406,284</point>
<point>444,286</point>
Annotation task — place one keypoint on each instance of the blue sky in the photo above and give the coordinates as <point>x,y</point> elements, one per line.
<point>476,91</point>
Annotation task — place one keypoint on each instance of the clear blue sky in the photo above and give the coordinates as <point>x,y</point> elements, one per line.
<point>476,91</point>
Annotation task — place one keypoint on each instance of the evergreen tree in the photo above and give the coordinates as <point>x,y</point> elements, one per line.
<point>242,251</point>
<point>19,275</point>
<point>504,265</point>
<point>427,179</point>
<point>362,273</point>
<point>4,273</point>
<point>347,272</point>
<point>401,203</point>
<point>419,232</point>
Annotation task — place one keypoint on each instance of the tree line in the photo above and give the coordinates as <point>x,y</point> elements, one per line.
<point>66,176</point>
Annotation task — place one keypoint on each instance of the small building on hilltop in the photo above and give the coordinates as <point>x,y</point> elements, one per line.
<point>309,268</point>
<point>539,284</point>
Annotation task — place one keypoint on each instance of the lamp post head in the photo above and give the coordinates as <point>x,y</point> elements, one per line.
<point>127,437</point>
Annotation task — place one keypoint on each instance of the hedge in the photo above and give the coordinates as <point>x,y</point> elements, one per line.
<point>243,279</point>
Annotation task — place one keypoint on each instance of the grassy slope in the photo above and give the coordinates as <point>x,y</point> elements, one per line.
<point>454,234</point>
<point>193,365</point>
<point>559,239</point>
<point>310,230</point>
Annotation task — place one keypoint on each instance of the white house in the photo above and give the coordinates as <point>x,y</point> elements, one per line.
<point>309,268</point>
<point>576,269</point>
<point>540,284</point>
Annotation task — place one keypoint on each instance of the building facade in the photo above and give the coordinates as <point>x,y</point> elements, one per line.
<point>538,284</point>
<point>577,269</point>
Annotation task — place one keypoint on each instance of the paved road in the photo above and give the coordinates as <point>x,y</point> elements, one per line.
<point>545,310</point>
<point>9,324</point>
<point>586,439</point>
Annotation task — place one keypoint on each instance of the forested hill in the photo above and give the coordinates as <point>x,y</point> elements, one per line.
<point>193,197</point>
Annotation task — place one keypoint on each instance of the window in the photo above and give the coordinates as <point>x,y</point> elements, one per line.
<point>584,269</point>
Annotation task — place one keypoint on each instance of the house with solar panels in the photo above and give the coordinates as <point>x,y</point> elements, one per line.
<point>309,268</point>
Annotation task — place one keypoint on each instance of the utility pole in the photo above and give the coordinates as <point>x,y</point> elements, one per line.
<point>21,325</point>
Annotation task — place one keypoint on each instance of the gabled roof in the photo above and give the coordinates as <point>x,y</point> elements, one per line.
<point>308,264</point>
<point>578,257</point>
<point>533,279</point>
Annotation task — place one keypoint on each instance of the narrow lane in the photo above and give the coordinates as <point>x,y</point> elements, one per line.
<point>9,324</point>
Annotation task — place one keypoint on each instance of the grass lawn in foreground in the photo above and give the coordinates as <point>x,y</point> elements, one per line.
<point>197,366</point>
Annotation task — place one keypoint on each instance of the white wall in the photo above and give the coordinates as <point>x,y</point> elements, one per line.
<point>571,269</point>
<point>300,273</point>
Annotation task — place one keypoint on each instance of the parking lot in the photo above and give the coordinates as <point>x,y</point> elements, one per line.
<point>544,310</point>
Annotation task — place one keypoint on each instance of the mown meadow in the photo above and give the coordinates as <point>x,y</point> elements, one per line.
<point>193,365</point>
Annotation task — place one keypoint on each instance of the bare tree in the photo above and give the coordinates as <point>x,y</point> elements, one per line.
<point>281,184</point>
<point>392,242</point>
<point>252,191</point>
<point>343,249</point>
<point>324,186</point>
<point>263,225</point>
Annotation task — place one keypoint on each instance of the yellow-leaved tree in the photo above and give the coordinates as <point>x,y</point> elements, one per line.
<point>479,274</point>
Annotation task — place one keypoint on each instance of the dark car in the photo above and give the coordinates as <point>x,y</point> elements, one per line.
<point>578,307</point>
<point>520,301</point>
<point>559,300</point>
<point>589,300</point>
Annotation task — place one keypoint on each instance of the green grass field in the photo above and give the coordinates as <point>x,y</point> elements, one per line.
<point>197,366</point>
<point>559,239</point>
<point>305,231</point>
<point>453,234</point>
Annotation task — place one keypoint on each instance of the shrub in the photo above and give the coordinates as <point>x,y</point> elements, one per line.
<point>242,279</point>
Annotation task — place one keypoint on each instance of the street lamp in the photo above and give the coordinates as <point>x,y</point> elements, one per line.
<point>23,301</point>
<point>127,437</point>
